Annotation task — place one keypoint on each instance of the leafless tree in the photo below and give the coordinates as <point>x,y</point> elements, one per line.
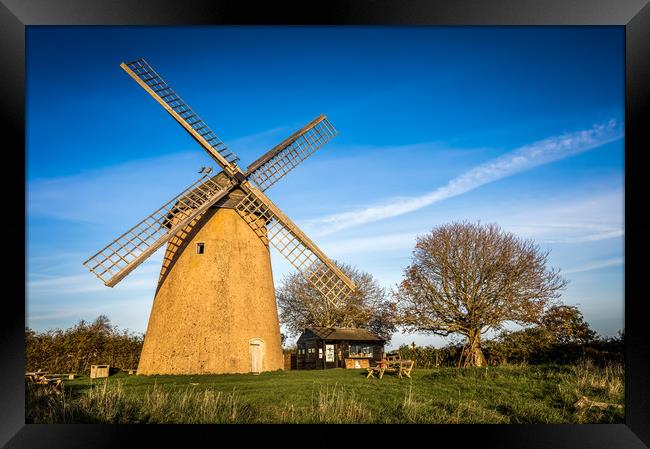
<point>370,307</point>
<point>469,278</point>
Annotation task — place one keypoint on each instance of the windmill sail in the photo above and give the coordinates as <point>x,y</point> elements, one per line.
<point>155,86</point>
<point>125,253</point>
<point>272,226</point>
<point>284,157</point>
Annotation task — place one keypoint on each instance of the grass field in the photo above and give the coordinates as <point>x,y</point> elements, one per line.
<point>501,394</point>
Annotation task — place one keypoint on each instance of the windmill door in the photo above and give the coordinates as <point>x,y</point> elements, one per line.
<point>257,355</point>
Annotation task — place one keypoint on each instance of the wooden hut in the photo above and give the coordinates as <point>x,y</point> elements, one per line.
<point>338,347</point>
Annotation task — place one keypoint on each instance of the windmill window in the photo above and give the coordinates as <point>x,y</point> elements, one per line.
<point>200,248</point>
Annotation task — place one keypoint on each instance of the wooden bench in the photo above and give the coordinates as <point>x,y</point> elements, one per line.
<point>40,378</point>
<point>379,370</point>
<point>393,359</point>
<point>405,368</point>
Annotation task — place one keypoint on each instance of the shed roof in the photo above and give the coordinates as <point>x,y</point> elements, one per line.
<point>344,333</point>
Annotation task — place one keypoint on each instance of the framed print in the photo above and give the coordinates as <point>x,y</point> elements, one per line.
<point>430,213</point>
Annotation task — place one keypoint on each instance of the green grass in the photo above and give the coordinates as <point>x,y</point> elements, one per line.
<point>502,394</point>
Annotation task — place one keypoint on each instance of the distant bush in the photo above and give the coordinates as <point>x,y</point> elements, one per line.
<point>430,357</point>
<point>530,346</point>
<point>73,350</point>
<point>534,346</point>
<point>562,336</point>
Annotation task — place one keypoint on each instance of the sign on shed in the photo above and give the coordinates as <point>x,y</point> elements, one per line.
<point>357,363</point>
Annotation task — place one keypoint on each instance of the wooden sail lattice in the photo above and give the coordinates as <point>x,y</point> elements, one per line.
<point>272,226</point>
<point>280,160</point>
<point>162,92</point>
<point>126,252</point>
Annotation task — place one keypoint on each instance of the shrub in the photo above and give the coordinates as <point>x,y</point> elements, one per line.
<point>73,350</point>
<point>535,345</point>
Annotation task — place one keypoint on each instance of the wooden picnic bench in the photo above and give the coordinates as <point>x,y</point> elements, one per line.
<point>394,364</point>
<point>379,370</point>
<point>40,378</point>
<point>405,368</point>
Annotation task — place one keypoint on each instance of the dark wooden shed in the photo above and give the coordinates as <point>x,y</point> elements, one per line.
<point>338,347</point>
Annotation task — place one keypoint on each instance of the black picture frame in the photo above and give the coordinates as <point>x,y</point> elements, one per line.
<point>634,15</point>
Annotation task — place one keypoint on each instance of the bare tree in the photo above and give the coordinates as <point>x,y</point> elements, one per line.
<point>470,278</point>
<point>301,305</point>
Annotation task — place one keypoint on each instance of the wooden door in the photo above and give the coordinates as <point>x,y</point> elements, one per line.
<point>257,355</point>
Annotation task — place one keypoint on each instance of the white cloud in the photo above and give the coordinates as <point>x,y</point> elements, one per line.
<point>128,191</point>
<point>83,283</point>
<point>376,243</point>
<point>596,265</point>
<point>606,234</point>
<point>65,284</point>
<point>64,313</point>
<point>577,232</point>
<point>41,286</point>
<point>131,190</point>
<point>524,158</point>
<point>596,217</point>
<point>258,143</point>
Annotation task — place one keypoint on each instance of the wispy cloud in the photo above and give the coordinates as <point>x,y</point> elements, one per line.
<point>371,244</point>
<point>64,313</point>
<point>132,189</point>
<point>255,145</point>
<point>65,284</point>
<point>602,234</point>
<point>41,285</point>
<point>596,217</point>
<point>596,265</point>
<point>86,283</point>
<point>566,232</point>
<point>127,190</point>
<point>524,158</point>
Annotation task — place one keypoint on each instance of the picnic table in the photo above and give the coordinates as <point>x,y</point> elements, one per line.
<point>41,378</point>
<point>392,364</point>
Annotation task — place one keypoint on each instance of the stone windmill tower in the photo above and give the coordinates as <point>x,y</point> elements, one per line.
<point>214,310</point>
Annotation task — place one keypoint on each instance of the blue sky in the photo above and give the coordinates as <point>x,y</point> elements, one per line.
<point>519,126</point>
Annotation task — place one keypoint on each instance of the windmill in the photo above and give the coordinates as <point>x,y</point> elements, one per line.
<point>214,309</point>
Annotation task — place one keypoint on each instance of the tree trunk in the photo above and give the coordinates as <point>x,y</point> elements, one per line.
<point>472,354</point>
